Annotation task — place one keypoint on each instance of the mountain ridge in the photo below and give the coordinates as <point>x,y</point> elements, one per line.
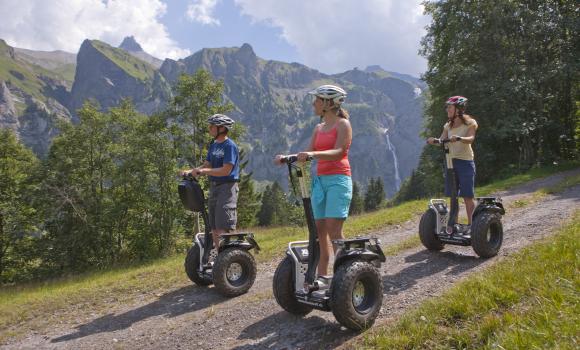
<point>270,98</point>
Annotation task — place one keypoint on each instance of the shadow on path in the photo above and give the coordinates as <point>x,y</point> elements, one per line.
<point>286,331</point>
<point>426,263</point>
<point>171,304</point>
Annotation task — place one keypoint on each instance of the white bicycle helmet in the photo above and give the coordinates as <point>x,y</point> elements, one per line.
<point>221,120</point>
<point>330,92</point>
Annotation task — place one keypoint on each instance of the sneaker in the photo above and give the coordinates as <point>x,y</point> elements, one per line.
<point>323,282</point>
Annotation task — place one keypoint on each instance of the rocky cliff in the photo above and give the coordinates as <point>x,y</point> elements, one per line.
<point>32,99</point>
<point>108,75</point>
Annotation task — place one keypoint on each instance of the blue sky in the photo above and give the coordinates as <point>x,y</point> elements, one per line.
<point>234,29</point>
<point>329,35</point>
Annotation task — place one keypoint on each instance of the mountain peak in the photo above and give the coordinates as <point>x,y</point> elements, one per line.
<point>247,48</point>
<point>130,44</point>
<point>374,68</point>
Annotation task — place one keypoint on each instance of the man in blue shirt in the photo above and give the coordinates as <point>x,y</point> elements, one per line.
<point>222,165</point>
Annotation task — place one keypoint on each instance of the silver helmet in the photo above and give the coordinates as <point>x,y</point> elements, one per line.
<point>221,120</point>
<point>330,92</point>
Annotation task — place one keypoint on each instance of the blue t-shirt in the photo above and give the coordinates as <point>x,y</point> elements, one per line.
<point>219,154</point>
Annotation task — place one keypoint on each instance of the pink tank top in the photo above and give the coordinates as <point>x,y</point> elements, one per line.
<point>325,140</point>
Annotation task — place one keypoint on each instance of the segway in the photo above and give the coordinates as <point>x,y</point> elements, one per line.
<point>354,293</point>
<point>230,267</point>
<point>438,227</point>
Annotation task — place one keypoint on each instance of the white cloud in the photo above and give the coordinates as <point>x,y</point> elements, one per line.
<point>64,24</point>
<point>335,35</point>
<point>202,11</point>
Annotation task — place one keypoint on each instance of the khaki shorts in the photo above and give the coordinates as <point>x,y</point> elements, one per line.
<point>222,205</point>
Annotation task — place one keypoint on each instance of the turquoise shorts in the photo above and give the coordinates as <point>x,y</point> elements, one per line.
<point>331,195</point>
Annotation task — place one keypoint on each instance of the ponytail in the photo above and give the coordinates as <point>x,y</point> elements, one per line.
<point>343,113</point>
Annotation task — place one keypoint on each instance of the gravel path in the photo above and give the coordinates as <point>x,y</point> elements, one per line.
<point>191,317</point>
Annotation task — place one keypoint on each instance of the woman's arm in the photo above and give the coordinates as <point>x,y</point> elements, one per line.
<point>469,138</point>
<point>431,140</point>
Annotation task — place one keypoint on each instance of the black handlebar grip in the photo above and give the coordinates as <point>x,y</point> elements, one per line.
<point>292,158</point>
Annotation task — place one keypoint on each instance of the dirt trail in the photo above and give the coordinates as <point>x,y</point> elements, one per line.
<point>191,317</point>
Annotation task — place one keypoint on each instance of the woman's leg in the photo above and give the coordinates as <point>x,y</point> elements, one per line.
<point>469,207</point>
<point>328,229</point>
<point>466,176</point>
<point>324,246</point>
<point>334,229</point>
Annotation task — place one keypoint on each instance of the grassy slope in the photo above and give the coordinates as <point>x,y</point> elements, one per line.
<point>130,64</point>
<point>19,74</point>
<point>25,76</point>
<point>67,71</point>
<point>527,301</point>
<point>97,289</point>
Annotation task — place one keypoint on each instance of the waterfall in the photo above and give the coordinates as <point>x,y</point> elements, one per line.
<point>396,161</point>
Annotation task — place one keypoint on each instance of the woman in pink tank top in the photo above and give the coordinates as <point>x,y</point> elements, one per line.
<point>332,187</point>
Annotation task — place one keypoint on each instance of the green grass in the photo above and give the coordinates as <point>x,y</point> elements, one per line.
<point>533,174</point>
<point>530,300</point>
<point>26,76</point>
<point>95,290</point>
<point>130,64</point>
<point>562,185</point>
<point>67,71</point>
<point>22,76</point>
<point>43,302</point>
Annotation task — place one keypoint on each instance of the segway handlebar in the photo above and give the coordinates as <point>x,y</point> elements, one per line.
<point>444,141</point>
<point>292,158</point>
<point>189,176</point>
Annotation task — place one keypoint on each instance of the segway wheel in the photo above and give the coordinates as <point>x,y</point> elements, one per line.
<point>357,294</point>
<point>191,267</point>
<point>283,287</point>
<point>234,272</point>
<point>487,234</point>
<point>427,231</point>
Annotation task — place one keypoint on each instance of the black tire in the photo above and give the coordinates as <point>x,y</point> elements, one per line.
<point>356,278</point>
<point>234,272</point>
<point>487,234</point>
<point>427,231</point>
<point>283,287</point>
<point>191,265</point>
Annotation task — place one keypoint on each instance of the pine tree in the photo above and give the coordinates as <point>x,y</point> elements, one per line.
<point>369,200</point>
<point>375,194</point>
<point>266,212</point>
<point>379,191</point>
<point>357,202</point>
<point>248,198</point>
<point>275,206</point>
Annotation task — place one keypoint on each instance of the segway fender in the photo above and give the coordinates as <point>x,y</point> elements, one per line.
<point>236,244</point>
<point>493,207</point>
<point>240,240</point>
<point>253,242</point>
<point>359,255</point>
